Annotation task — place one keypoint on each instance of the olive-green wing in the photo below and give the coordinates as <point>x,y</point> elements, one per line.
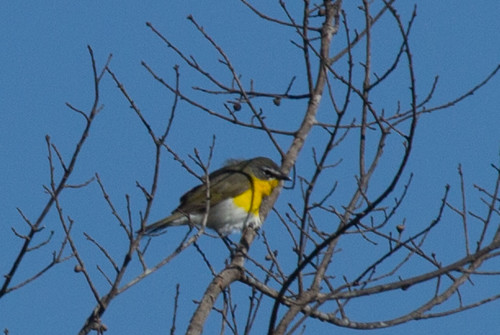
<point>224,183</point>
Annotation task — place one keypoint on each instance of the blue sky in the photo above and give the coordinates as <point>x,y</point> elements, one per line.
<point>44,63</point>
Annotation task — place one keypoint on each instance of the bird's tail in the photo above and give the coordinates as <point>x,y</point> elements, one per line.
<point>176,219</point>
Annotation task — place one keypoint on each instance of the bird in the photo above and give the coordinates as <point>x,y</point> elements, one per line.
<point>235,194</point>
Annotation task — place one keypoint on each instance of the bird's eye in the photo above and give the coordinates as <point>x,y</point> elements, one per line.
<point>269,173</point>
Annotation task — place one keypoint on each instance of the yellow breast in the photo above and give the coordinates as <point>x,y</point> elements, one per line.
<point>251,199</point>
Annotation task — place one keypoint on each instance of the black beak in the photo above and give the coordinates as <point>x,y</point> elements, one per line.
<point>277,174</point>
<point>283,176</point>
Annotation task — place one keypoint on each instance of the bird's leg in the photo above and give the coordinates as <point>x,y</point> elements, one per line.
<point>231,246</point>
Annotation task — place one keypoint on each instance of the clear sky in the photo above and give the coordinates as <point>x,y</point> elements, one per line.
<point>44,63</point>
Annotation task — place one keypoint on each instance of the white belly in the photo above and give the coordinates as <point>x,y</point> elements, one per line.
<point>225,217</point>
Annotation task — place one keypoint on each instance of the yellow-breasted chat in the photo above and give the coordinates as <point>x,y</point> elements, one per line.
<point>235,194</point>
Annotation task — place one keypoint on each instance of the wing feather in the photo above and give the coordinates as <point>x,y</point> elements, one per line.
<point>227,182</point>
